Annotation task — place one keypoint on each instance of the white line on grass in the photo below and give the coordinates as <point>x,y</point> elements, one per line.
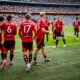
<point>52,46</point>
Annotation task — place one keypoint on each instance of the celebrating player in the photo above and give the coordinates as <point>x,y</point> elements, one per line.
<point>1,26</point>
<point>26,34</point>
<point>53,23</point>
<point>40,37</point>
<point>47,24</point>
<point>9,32</point>
<point>76,25</point>
<point>59,31</point>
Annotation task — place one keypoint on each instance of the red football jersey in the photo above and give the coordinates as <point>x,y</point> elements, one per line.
<point>59,26</point>
<point>1,26</point>
<point>76,24</point>
<point>41,24</point>
<point>47,24</point>
<point>53,23</point>
<point>27,27</point>
<point>10,30</point>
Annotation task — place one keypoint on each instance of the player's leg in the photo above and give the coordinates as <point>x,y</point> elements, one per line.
<point>63,39</point>
<point>44,54</point>
<point>35,56</point>
<point>1,48</point>
<point>30,52</point>
<point>77,34</point>
<point>26,60</point>
<point>74,34</point>
<point>4,60</point>
<point>12,47</point>
<point>30,56</point>
<point>24,50</point>
<point>43,51</point>
<point>2,57</point>
<point>38,43</point>
<point>54,38</point>
<point>5,51</point>
<point>57,38</point>
<point>25,47</point>
<point>11,57</point>
<point>30,60</point>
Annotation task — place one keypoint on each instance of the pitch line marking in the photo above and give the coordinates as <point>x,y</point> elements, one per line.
<point>51,46</point>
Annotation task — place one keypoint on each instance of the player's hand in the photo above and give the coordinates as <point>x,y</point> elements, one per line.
<point>34,38</point>
<point>2,42</point>
<point>48,32</point>
<point>62,33</point>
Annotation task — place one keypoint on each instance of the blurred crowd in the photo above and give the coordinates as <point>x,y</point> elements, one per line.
<point>17,18</point>
<point>26,8</point>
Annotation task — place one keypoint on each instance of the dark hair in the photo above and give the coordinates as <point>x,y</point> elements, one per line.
<point>1,18</point>
<point>76,18</point>
<point>9,18</point>
<point>54,18</point>
<point>28,16</point>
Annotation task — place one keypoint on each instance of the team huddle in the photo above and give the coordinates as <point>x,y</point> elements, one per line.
<point>8,30</point>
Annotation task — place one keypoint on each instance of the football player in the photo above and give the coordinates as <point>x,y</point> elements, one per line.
<point>9,32</point>
<point>53,23</point>
<point>76,25</point>
<point>1,26</point>
<point>26,30</point>
<point>47,24</point>
<point>59,31</point>
<point>40,38</point>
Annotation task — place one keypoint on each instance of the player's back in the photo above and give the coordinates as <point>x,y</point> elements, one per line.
<point>27,28</point>
<point>9,30</point>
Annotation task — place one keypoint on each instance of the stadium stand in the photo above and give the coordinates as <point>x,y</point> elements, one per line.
<point>18,9</point>
<point>49,1</point>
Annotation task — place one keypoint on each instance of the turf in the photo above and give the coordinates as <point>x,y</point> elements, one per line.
<point>64,64</point>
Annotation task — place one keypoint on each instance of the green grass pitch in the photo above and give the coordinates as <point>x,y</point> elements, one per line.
<point>64,64</point>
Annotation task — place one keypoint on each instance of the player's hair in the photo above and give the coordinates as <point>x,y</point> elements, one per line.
<point>46,16</point>
<point>28,16</point>
<point>9,18</point>
<point>76,18</point>
<point>42,14</point>
<point>1,18</point>
<point>54,18</point>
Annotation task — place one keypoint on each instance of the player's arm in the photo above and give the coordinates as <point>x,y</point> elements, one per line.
<point>73,25</point>
<point>62,28</point>
<point>48,26</point>
<point>35,31</point>
<point>2,42</point>
<point>53,29</point>
<point>45,31</point>
<point>43,28</point>
<point>79,25</point>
